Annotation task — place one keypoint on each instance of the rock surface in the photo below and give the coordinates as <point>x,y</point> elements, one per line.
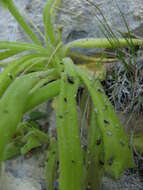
<point>78,17</point>
<point>23,174</point>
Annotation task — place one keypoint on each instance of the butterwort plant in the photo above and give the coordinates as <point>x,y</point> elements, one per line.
<point>43,70</point>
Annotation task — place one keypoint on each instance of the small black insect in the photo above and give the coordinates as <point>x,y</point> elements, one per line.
<point>122,142</point>
<point>100,90</point>
<point>88,186</point>
<point>60,116</point>
<point>110,161</point>
<point>101,162</point>
<point>106,122</point>
<point>65,99</point>
<point>98,142</point>
<point>73,161</point>
<point>70,80</point>
<point>10,76</point>
<point>58,163</point>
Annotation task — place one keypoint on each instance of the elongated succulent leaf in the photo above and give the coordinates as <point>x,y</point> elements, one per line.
<point>10,72</point>
<point>47,18</point>
<point>42,94</point>
<point>12,106</point>
<point>95,155</point>
<point>21,46</point>
<point>70,153</point>
<point>8,53</point>
<point>51,164</point>
<point>117,152</point>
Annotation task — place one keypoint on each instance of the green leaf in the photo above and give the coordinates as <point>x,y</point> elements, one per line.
<point>12,106</point>
<point>32,142</point>
<point>51,164</point>
<point>21,46</point>
<point>33,138</point>
<point>37,115</point>
<point>70,153</point>
<point>11,150</point>
<point>42,94</point>
<point>10,72</point>
<point>117,152</point>
<point>95,154</point>
<point>138,143</point>
<point>48,22</point>
<point>8,53</point>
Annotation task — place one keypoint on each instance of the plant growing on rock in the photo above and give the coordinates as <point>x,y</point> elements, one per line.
<point>43,71</point>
